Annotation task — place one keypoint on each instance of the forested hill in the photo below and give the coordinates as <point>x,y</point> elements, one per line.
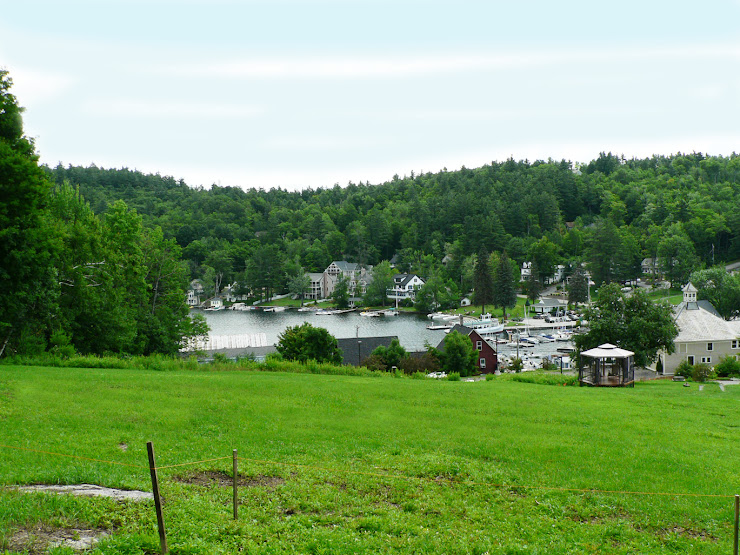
<point>619,212</point>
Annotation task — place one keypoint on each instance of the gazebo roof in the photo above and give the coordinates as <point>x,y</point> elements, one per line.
<point>607,350</point>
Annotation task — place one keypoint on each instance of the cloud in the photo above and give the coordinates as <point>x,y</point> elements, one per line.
<point>411,65</point>
<point>161,109</point>
<point>35,87</point>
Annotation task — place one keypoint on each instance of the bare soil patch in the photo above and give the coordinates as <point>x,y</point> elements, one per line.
<point>41,538</point>
<point>90,490</point>
<point>209,478</point>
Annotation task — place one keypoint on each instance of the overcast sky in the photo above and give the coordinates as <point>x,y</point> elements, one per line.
<point>306,93</point>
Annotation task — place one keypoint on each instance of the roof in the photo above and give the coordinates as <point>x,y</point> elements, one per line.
<point>689,288</point>
<point>549,301</point>
<point>403,279</point>
<point>700,321</point>
<point>607,350</point>
<point>351,347</point>
<point>345,266</point>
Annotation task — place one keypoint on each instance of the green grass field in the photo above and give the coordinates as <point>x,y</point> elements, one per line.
<point>342,464</point>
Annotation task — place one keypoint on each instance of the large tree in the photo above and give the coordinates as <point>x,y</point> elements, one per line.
<point>632,322</point>
<point>578,287</point>
<point>720,288</point>
<point>305,342</point>
<point>483,280</point>
<point>504,288</point>
<point>377,290</point>
<point>458,355</point>
<point>28,288</point>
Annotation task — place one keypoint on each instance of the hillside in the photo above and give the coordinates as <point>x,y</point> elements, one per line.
<point>353,464</point>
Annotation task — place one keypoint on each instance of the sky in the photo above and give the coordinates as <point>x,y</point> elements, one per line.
<point>311,93</point>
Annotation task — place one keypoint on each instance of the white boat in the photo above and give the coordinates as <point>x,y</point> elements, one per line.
<point>325,312</point>
<point>485,325</point>
<point>545,338</point>
<point>437,316</point>
<point>440,327</point>
<point>390,312</point>
<point>370,314</point>
<point>306,309</point>
<point>563,336</point>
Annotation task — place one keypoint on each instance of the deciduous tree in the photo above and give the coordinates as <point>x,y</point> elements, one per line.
<point>305,342</point>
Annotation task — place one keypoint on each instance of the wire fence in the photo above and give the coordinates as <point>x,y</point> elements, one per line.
<point>153,468</point>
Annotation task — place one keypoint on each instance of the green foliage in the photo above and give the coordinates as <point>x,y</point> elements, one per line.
<point>728,367</point>
<point>543,378</point>
<point>632,322</point>
<point>483,293</point>
<point>720,288</point>
<point>459,356</point>
<point>382,282</point>
<point>453,377</point>
<point>702,372</point>
<point>578,288</point>
<point>390,356</point>
<point>684,369</point>
<point>341,292</point>
<point>306,342</point>
<point>504,284</point>
<point>516,365</point>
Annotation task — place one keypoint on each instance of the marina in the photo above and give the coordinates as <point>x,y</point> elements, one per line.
<point>414,331</point>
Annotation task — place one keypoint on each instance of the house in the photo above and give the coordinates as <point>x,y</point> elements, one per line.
<point>548,305</point>
<point>650,266</point>
<point>358,277</point>
<point>466,301</point>
<point>405,286</point>
<point>316,290</point>
<point>195,292</point>
<point>526,270</point>
<point>556,277</point>
<point>356,349</point>
<point>703,336</point>
<point>214,303</point>
<point>229,293</point>
<point>487,356</point>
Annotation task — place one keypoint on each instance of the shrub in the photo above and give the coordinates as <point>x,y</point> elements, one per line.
<point>728,367</point>
<point>542,378</point>
<point>516,365</point>
<point>453,376</point>
<point>683,369</point>
<point>659,365</point>
<point>702,372</point>
<point>418,376</point>
<point>490,377</point>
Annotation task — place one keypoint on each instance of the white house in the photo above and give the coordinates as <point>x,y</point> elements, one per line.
<point>405,286</point>
<point>703,336</point>
<point>195,292</point>
<point>357,275</point>
<point>526,270</point>
<point>650,266</point>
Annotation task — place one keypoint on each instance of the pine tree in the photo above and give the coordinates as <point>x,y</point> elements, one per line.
<point>483,280</point>
<point>504,291</point>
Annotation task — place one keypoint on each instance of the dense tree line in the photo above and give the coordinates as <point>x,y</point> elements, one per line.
<point>611,213</point>
<point>73,280</point>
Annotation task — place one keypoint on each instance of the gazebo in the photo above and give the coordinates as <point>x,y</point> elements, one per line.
<point>607,366</point>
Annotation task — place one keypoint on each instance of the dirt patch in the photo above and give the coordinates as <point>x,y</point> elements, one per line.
<point>90,490</point>
<point>41,538</point>
<point>208,478</point>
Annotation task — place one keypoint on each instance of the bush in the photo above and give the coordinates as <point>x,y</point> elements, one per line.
<point>702,372</point>
<point>418,376</point>
<point>684,369</point>
<point>516,365</point>
<point>728,367</point>
<point>453,376</point>
<point>490,377</point>
<point>542,378</point>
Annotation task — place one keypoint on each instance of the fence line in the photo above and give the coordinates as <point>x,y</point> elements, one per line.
<point>436,480</point>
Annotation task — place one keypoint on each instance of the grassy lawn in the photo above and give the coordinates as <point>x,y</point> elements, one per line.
<point>338,464</point>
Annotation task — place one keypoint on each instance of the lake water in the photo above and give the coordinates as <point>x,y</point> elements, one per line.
<point>411,329</point>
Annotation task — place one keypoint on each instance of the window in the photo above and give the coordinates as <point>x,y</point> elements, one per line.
<point>707,360</point>
<point>690,359</point>
<point>682,348</point>
<point>710,346</point>
<point>479,345</point>
<point>735,344</point>
<point>482,363</point>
